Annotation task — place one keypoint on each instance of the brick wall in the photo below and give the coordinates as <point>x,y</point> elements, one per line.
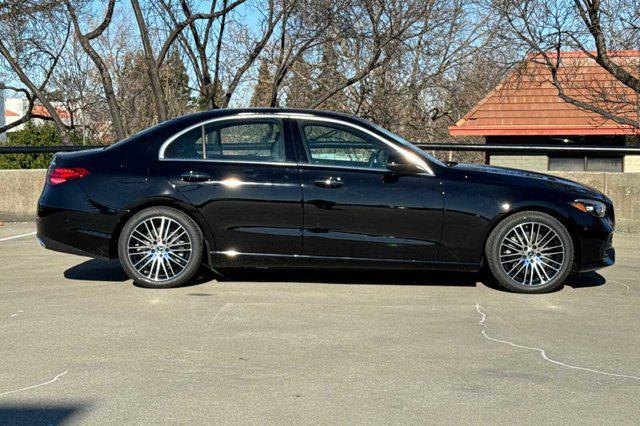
<point>537,163</point>
<point>632,163</point>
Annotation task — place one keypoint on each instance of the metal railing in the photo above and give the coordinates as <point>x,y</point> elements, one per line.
<point>530,149</point>
<point>487,148</point>
<point>45,149</point>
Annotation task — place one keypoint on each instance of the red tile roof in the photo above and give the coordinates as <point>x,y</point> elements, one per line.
<point>526,102</point>
<point>9,113</point>
<point>41,110</point>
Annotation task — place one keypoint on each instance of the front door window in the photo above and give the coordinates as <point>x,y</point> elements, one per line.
<point>336,146</point>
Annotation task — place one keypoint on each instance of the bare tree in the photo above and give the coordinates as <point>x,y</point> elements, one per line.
<point>12,9</point>
<point>31,52</point>
<point>153,61</point>
<point>396,62</point>
<point>105,74</point>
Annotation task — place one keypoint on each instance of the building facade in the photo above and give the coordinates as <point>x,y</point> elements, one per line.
<point>526,108</point>
<point>15,108</point>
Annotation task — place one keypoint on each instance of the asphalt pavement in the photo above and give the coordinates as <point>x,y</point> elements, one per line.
<point>79,343</point>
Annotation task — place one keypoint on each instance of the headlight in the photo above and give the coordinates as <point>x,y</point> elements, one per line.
<point>593,207</point>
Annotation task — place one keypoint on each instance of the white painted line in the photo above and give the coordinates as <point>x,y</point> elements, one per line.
<point>18,236</point>
<point>35,386</point>
<point>542,352</point>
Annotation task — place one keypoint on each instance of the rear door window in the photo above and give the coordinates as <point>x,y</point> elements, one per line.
<point>255,140</point>
<point>250,141</point>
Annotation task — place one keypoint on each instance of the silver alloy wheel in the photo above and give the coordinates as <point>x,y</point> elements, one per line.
<point>159,248</point>
<point>532,254</point>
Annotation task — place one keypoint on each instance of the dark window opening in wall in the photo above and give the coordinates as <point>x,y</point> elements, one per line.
<point>585,164</point>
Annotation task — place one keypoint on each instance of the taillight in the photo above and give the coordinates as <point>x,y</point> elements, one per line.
<point>65,174</point>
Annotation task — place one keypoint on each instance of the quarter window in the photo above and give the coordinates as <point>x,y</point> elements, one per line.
<point>334,145</point>
<point>248,141</point>
<point>187,146</point>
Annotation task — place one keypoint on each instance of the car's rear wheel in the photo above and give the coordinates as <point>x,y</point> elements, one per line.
<point>530,252</point>
<point>160,247</point>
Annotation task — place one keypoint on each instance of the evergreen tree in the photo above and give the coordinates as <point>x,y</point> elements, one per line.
<point>328,76</point>
<point>300,84</point>
<point>175,85</point>
<point>262,91</point>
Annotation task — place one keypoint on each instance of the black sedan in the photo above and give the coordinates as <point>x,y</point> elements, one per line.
<point>294,188</point>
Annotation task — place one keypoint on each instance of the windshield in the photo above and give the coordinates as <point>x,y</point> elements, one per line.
<point>407,144</point>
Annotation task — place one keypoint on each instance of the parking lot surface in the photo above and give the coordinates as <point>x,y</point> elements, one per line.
<point>80,343</point>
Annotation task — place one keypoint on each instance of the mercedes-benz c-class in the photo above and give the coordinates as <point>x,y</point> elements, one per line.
<point>278,188</point>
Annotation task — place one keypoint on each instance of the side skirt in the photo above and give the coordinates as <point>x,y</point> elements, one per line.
<point>232,259</point>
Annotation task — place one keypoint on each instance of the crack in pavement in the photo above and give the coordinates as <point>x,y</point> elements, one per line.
<point>622,284</point>
<point>215,317</point>
<point>542,352</point>
<point>35,386</point>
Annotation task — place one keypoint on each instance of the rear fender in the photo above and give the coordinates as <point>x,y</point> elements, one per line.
<point>168,201</point>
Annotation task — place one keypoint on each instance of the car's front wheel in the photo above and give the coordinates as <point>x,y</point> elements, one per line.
<point>160,247</point>
<point>530,252</point>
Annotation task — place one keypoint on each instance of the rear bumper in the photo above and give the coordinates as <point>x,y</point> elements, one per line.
<point>54,245</point>
<point>72,232</point>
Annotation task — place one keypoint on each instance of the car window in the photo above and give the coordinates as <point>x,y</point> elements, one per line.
<point>186,146</point>
<point>335,145</point>
<point>249,141</point>
<point>256,141</point>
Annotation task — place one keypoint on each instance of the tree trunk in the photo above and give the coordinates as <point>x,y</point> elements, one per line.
<point>152,67</point>
<point>105,76</point>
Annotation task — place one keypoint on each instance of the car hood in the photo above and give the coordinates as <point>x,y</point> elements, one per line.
<point>541,178</point>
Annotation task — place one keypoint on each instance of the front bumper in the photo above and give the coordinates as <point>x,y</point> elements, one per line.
<point>595,244</point>
<point>606,257</point>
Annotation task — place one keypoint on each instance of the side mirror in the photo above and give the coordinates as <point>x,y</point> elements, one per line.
<point>399,164</point>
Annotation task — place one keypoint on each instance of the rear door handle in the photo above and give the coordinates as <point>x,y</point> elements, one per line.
<point>329,182</point>
<point>193,176</point>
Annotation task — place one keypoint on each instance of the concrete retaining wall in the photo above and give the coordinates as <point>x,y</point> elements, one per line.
<point>20,189</point>
<point>622,188</point>
<point>19,192</point>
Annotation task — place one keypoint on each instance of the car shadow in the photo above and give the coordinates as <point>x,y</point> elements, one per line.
<point>111,271</point>
<point>39,414</point>
<point>100,270</point>
<point>352,277</point>
<point>587,279</point>
<point>97,270</point>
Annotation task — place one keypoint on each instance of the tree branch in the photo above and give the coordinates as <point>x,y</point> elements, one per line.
<point>182,25</point>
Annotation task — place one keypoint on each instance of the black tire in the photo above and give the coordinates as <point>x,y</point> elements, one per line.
<point>190,265</point>
<point>523,221</point>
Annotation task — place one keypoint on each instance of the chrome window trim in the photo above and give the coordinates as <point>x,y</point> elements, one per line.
<point>355,168</point>
<point>298,116</point>
<point>217,160</point>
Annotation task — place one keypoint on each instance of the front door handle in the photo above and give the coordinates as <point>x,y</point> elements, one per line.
<point>193,176</point>
<point>329,182</point>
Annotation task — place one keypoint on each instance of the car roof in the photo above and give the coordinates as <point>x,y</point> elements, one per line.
<point>267,110</point>
<point>177,123</point>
